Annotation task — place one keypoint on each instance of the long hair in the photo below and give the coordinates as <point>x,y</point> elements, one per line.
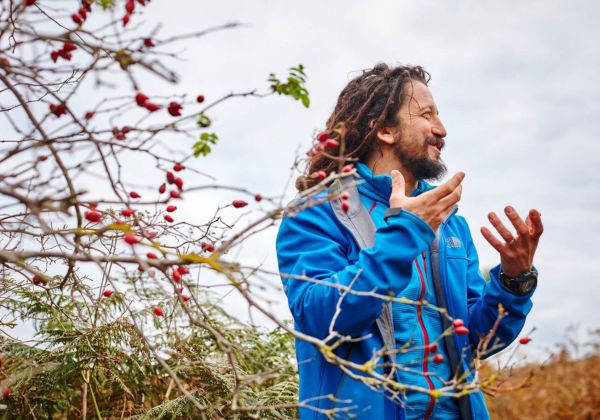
<point>368,103</point>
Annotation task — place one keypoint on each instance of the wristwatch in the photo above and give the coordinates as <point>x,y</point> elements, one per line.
<point>522,284</point>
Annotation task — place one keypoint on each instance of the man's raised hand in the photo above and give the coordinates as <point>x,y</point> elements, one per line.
<point>516,252</point>
<point>432,206</point>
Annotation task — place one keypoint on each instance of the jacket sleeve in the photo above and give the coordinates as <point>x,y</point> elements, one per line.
<point>483,298</point>
<point>315,245</point>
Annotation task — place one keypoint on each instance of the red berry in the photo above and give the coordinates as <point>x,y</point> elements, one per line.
<point>82,12</point>
<point>174,109</point>
<point>458,323</point>
<point>179,290</point>
<point>141,99</point>
<point>184,298</point>
<point>174,194</point>
<point>151,107</point>
<point>170,177</point>
<point>345,206</point>
<point>152,256</point>
<point>322,137</point>
<point>438,358</point>
<point>345,195</point>
<point>171,209</point>
<point>312,153</point>
<point>348,168</point>
<point>331,144</point>
<point>178,167</point>
<point>120,136</point>
<point>151,233</point>
<point>258,197</point>
<point>93,206</point>
<point>524,340</point>
<point>30,2</point>
<point>131,239</point>
<point>129,6</point>
<point>54,56</point>
<point>200,99</point>
<point>182,269</point>
<point>87,4</point>
<point>179,183</point>
<point>126,129</point>
<point>89,115</point>
<point>93,216</point>
<point>461,330</point>
<point>42,158</point>
<point>158,311</point>
<point>127,212</point>
<point>134,194</point>
<point>319,175</point>
<point>176,276</point>
<point>168,218</point>
<point>37,280</point>
<point>69,46</point>
<point>6,392</point>
<point>433,347</point>
<point>319,148</point>
<point>239,203</point>
<point>76,17</point>
<point>208,247</point>
<point>107,293</point>
<point>148,43</point>
<point>162,188</point>
<point>126,19</point>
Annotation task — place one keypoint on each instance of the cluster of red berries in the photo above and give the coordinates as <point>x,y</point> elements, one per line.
<point>81,15</point>
<point>64,52</point>
<point>129,8</point>
<point>58,110</point>
<point>323,142</point>
<point>459,327</point>
<point>142,100</point>
<point>120,134</point>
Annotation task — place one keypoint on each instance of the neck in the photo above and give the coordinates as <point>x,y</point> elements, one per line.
<point>382,166</point>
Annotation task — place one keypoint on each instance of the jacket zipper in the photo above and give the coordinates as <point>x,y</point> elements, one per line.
<point>424,332</point>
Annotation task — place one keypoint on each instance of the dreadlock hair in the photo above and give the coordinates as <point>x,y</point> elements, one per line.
<point>368,103</point>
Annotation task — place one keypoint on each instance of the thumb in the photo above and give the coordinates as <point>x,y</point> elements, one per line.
<point>398,189</point>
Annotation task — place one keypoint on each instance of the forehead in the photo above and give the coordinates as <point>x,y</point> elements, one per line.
<point>417,97</point>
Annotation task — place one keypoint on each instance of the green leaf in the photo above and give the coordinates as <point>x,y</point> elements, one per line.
<point>203,120</point>
<point>294,85</point>
<point>202,147</point>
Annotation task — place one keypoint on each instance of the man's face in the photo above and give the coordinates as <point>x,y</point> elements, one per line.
<point>420,140</point>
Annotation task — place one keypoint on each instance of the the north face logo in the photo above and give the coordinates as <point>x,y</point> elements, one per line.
<point>453,242</point>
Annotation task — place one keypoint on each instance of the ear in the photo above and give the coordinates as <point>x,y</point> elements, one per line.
<point>386,135</point>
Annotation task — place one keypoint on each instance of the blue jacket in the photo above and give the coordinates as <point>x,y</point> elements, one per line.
<point>315,244</point>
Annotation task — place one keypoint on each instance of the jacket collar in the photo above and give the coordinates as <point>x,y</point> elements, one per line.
<point>379,187</point>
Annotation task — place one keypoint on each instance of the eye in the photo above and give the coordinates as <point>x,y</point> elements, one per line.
<point>427,114</point>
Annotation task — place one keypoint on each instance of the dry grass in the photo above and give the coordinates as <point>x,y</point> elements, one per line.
<point>562,388</point>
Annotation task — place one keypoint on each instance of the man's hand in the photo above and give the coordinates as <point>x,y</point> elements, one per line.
<point>516,253</point>
<point>432,206</point>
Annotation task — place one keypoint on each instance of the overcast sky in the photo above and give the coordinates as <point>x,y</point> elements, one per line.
<point>517,85</point>
<point>518,88</point>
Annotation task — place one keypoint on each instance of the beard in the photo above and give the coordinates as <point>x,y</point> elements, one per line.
<point>415,159</point>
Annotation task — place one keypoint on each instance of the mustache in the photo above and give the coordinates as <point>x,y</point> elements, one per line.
<point>438,142</point>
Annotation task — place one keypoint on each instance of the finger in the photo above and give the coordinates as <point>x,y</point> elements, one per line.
<point>502,230</point>
<point>536,227</point>
<point>448,202</point>
<point>516,221</point>
<point>398,183</point>
<point>489,236</point>
<point>446,188</point>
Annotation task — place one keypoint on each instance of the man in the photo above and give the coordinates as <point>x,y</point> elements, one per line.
<point>395,235</point>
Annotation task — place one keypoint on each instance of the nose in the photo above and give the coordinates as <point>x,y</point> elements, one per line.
<point>438,128</point>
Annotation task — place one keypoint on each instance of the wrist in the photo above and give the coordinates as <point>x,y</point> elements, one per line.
<point>520,284</point>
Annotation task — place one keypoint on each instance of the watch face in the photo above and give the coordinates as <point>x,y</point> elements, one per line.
<point>520,285</point>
